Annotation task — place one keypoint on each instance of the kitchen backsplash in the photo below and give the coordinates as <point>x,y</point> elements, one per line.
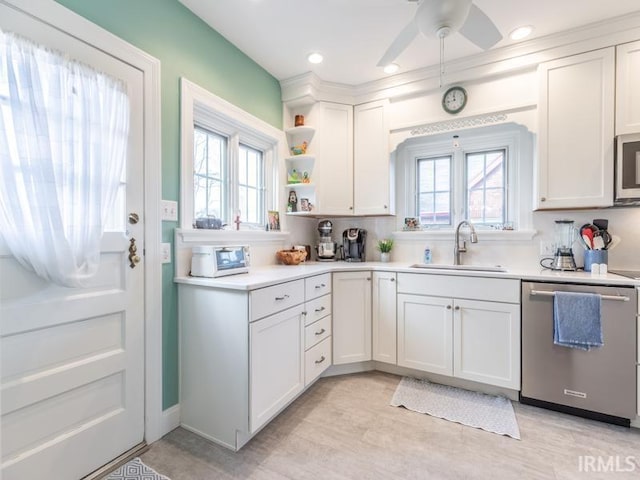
<point>623,222</point>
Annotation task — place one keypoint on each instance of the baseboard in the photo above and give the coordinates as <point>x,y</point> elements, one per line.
<point>635,423</point>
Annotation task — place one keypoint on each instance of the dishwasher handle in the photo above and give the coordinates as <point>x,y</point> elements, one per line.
<point>617,298</point>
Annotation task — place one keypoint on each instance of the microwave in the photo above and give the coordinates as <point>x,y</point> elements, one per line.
<point>218,261</point>
<point>627,169</point>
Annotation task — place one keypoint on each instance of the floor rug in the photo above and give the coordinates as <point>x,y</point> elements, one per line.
<point>135,470</point>
<point>487,412</point>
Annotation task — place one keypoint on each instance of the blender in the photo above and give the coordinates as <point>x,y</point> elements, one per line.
<point>326,248</point>
<point>565,234</point>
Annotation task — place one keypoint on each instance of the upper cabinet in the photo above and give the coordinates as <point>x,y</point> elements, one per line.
<point>627,91</point>
<point>334,147</point>
<point>373,180</point>
<point>347,170</point>
<point>575,142</point>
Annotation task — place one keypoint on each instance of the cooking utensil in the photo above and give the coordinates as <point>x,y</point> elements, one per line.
<point>587,236</point>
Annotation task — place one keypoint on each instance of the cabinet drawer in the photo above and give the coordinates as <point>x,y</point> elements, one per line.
<point>317,360</point>
<point>505,290</point>
<point>318,308</point>
<point>317,286</point>
<point>316,332</point>
<point>276,298</point>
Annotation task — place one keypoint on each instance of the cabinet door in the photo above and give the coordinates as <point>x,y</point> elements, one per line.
<point>351,317</point>
<point>384,317</point>
<point>372,187</point>
<point>486,342</point>
<point>277,364</point>
<point>425,333</point>
<point>575,150</point>
<point>334,164</point>
<point>627,92</point>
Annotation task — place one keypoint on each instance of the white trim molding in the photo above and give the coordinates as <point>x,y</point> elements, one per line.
<point>67,21</point>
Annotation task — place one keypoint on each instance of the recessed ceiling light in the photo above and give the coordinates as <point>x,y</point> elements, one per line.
<point>315,58</point>
<point>391,68</point>
<point>521,32</point>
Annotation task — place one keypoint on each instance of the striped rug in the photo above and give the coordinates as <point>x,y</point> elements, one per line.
<point>135,470</point>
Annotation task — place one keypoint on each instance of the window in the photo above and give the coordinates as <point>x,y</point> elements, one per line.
<point>228,161</point>
<point>484,177</point>
<point>486,187</point>
<point>434,190</point>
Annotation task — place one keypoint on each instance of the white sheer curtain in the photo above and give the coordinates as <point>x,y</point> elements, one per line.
<point>63,145</point>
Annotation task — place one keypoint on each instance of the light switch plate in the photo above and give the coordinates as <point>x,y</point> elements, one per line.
<point>165,252</point>
<point>169,210</point>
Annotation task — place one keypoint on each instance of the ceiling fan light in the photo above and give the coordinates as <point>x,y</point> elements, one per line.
<point>391,68</point>
<point>521,32</point>
<point>315,58</point>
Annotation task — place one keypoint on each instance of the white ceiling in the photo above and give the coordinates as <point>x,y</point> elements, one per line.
<point>354,34</point>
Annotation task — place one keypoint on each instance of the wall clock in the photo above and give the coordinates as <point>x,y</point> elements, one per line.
<point>454,100</point>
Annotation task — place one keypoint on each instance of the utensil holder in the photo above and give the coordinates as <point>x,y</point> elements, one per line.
<point>595,256</point>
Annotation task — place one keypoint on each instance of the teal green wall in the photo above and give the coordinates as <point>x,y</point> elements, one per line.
<point>186,47</point>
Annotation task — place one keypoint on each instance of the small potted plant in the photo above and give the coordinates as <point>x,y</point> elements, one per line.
<point>385,247</point>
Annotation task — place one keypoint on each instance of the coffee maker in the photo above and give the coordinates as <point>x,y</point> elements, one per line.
<point>353,242</point>
<point>326,249</point>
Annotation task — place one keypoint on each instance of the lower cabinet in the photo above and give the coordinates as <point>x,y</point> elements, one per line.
<point>351,317</point>
<point>469,339</point>
<point>384,317</point>
<point>425,333</point>
<point>277,364</point>
<point>486,342</point>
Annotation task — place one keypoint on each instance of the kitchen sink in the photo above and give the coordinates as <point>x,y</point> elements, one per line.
<point>471,268</point>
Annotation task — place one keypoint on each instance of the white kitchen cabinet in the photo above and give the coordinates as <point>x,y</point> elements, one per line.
<point>245,355</point>
<point>576,131</point>
<point>373,192</point>
<point>475,338</point>
<point>277,364</point>
<point>384,317</point>
<point>486,342</point>
<point>334,165</point>
<point>627,92</point>
<point>425,333</point>
<point>351,317</point>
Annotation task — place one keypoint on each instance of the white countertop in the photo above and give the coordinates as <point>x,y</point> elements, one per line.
<point>260,277</point>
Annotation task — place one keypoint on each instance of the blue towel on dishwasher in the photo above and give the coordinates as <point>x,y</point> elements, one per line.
<point>576,320</point>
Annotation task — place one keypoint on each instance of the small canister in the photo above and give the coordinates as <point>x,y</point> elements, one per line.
<point>298,121</point>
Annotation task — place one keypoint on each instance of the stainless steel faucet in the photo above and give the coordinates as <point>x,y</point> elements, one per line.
<point>457,249</point>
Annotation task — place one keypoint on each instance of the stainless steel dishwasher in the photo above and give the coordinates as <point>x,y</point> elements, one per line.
<point>599,383</point>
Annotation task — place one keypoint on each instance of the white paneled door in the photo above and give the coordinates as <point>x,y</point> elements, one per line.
<point>72,359</point>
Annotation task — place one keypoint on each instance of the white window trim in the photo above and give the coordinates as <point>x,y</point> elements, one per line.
<point>515,138</point>
<point>200,106</point>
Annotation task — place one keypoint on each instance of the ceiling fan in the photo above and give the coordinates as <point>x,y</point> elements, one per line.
<point>441,18</point>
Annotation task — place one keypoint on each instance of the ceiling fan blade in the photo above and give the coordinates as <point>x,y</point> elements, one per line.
<point>401,42</point>
<point>479,29</point>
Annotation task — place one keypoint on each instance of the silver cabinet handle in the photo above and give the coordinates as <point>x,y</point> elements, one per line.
<point>321,331</point>
<point>322,285</point>
<point>321,309</point>
<point>457,307</point>
<point>284,297</point>
<point>304,313</point>
<point>368,279</point>
<point>448,307</point>
<point>385,207</point>
<point>392,279</point>
<point>322,359</point>
<point>543,199</point>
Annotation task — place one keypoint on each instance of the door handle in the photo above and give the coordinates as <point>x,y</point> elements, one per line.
<point>134,258</point>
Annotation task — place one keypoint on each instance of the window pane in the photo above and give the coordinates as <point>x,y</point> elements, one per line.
<point>486,190</point>
<point>209,164</point>
<point>251,185</point>
<point>434,190</point>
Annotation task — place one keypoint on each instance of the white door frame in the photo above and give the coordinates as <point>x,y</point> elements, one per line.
<point>157,422</point>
